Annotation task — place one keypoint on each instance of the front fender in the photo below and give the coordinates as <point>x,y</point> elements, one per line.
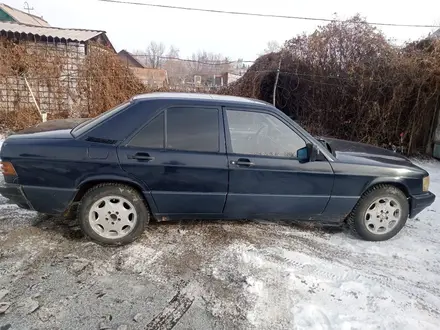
<point>400,183</point>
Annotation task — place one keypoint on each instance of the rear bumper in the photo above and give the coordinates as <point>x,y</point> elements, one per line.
<point>47,200</point>
<point>420,202</point>
<point>15,194</point>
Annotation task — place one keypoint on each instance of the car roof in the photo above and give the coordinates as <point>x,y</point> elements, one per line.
<point>214,98</point>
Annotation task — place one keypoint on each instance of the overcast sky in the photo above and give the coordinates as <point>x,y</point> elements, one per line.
<point>133,27</point>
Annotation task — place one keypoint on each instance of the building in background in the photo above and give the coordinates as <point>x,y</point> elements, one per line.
<point>129,59</point>
<point>12,15</point>
<point>156,78</point>
<point>230,78</point>
<point>47,36</point>
<point>216,80</point>
<point>63,49</point>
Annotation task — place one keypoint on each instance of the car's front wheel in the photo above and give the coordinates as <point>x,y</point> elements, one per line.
<point>113,214</point>
<point>380,213</point>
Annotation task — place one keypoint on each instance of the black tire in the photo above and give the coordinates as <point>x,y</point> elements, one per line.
<point>356,220</point>
<point>113,189</point>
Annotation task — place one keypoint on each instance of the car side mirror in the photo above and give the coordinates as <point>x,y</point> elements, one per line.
<point>313,152</point>
<point>306,154</point>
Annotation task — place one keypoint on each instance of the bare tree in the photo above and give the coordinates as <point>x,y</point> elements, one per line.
<point>173,52</point>
<point>272,46</point>
<point>182,71</point>
<point>177,70</point>
<point>435,32</point>
<point>140,56</point>
<point>208,65</point>
<point>240,67</point>
<point>154,55</point>
<point>205,63</point>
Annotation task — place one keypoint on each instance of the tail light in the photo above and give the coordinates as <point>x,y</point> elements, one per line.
<point>7,169</point>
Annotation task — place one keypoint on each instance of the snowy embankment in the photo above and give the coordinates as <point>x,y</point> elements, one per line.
<point>227,274</point>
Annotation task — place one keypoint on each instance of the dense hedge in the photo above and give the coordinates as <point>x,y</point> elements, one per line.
<point>347,81</point>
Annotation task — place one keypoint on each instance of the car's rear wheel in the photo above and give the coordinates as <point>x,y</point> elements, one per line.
<point>380,214</point>
<point>113,214</point>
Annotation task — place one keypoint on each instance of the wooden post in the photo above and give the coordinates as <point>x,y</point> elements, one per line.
<point>43,116</point>
<point>276,80</point>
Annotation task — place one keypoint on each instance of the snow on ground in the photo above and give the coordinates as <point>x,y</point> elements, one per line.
<point>220,275</point>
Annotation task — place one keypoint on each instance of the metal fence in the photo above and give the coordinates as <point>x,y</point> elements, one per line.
<point>41,75</point>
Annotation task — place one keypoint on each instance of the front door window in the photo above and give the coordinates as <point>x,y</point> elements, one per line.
<point>261,134</point>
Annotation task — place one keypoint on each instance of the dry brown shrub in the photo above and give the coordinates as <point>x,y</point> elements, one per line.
<point>22,59</point>
<point>106,81</point>
<point>90,84</point>
<point>347,81</point>
<point>18,120</point>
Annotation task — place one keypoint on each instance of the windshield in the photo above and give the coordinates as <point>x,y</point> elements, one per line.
<point>87,125</point>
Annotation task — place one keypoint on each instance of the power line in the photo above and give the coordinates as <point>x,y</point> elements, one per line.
<point>214,62</point>
<point>77,76</point>
<point>264,15</point>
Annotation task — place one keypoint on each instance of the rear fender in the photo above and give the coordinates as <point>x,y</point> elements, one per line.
<point>89,182</point>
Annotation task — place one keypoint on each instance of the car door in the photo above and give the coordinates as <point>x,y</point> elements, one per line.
<point>265,177</point>
<point>180,158</point>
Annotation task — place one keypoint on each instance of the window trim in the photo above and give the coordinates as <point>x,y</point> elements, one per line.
<point>263,111</point>
<point>221,136</point>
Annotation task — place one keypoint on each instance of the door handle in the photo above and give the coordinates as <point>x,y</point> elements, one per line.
<point>141,156</point>
<point>242,162</point>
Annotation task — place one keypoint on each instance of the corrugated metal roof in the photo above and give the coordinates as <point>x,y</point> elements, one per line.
<point>67,34</point>
<point>22,17</point>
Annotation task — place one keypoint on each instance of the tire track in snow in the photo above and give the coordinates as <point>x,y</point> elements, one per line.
<point>306,269</point>
<point>368,270</point>
<point>172,313</point>
<point>365,269</point>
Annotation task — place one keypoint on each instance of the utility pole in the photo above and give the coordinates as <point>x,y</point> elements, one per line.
<point>26,7</point>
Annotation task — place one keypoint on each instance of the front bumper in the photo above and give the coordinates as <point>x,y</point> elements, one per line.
<point>15,194</point>
<point>420,202</point>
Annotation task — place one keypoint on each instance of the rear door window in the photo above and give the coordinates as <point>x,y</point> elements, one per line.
<point>193,129</point>
<point>186,129</point>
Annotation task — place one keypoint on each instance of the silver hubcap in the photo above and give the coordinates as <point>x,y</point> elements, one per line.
<point>383,215</point>
<point>113,217</point>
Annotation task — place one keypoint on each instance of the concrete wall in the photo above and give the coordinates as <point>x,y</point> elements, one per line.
<point>151,77</point>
